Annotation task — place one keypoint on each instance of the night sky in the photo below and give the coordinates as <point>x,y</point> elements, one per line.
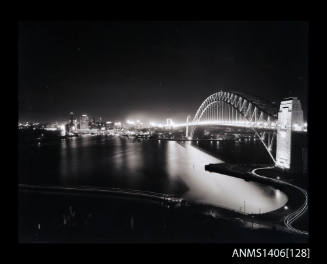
<point>154,70</point>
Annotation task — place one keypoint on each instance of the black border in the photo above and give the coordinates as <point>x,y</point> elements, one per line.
<point>217,251</point>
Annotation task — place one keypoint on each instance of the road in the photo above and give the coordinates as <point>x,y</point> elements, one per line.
<point>290,218</point>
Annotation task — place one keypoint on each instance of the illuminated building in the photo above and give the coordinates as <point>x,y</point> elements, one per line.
<point>117,126</point>
<point>72,118</point>
<point>62,130</point>
<point>92,123</point>
<point>100,124</point>
<point>109,125</point>
<point>84,122</point>
<point>72,125</point>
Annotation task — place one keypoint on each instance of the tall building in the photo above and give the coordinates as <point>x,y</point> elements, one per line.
<point>109,125</point>
<point>72,125</point>
<point>72,118</point>
<point>92,123</point>
<point>84,122</point>
<point>100,124</point>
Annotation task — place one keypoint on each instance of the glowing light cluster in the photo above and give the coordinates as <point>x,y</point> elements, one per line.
<point>155,124</point>
<point>130,122</point>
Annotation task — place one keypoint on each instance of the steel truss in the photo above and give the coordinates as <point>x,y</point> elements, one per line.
<point>232,109</point>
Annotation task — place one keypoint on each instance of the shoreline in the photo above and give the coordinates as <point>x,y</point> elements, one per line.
<point>248,174</point>
<point>266,221</point>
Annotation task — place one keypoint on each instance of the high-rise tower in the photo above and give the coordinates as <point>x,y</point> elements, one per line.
<point>84,123</point>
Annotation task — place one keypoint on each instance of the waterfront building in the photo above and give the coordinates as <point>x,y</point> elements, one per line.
<point>109,125</point>
<point>72,125</point>
<point>84,122</point>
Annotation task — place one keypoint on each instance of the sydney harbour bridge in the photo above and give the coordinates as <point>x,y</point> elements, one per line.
<point>269,122</point>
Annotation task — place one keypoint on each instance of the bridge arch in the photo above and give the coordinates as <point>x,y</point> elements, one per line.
<point>245,110</point>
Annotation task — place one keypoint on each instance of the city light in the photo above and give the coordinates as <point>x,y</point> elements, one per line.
<point>51,128</point>
<point>130,122</point>
<point>62,130</point>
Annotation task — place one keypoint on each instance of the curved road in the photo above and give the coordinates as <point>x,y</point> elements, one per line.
<point>290,218</point>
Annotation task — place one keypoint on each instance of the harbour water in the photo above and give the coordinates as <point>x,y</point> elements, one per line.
<point>168,167</point>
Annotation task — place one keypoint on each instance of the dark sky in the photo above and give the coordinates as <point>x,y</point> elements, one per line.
<point>154,70</point>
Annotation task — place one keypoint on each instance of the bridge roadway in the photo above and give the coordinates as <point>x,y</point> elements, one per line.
<point>245,124</point>
<point>238,124</point>
<point>182,140</point>
<point>290,218</point>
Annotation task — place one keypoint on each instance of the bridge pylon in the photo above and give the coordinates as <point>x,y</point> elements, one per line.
<point>290,118</point>
<point>187,130</point>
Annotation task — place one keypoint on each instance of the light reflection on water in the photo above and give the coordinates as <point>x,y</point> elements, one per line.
<point>165,166</point>
<point>217,189</point>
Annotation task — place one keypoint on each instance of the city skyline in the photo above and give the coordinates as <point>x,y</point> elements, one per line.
<point>151,70</point>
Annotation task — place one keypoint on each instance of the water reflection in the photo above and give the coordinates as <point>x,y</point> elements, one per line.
<point>217,189</point>
<point>159,166</point>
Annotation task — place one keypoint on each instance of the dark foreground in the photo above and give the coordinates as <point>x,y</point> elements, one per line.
<point>71,217</point>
